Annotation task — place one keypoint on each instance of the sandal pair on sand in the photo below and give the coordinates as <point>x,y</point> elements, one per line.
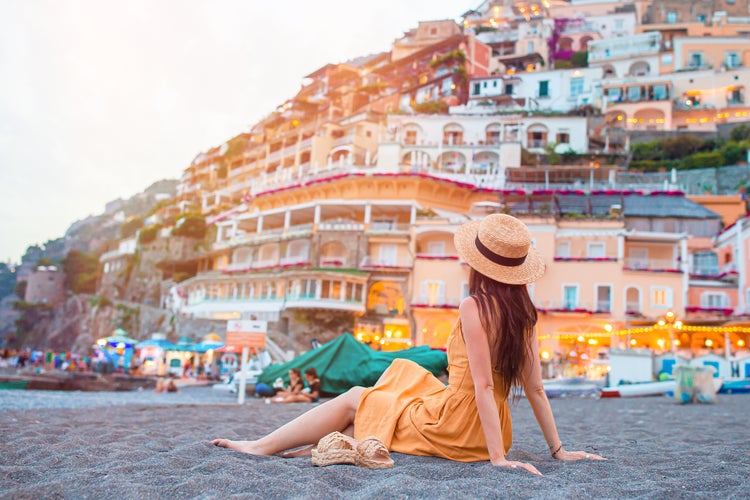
<point>338,448</point>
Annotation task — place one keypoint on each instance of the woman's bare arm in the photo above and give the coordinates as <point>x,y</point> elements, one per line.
<point>534,390</point>
<point>480,364</point>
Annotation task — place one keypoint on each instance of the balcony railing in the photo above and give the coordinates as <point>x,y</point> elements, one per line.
<point>294,260</point>
<point>651,265</point>
<point>342,225</point>
<point>370,262</point>
<point>388,227</point>
<point>333,262</point>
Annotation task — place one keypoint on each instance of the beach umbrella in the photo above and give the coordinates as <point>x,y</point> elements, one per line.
<point>117,341</point>
<point>161,343</point>
<point>183,344</point>
<point>206,345</point>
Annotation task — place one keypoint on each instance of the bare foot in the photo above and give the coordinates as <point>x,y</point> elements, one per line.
<point>302,452</point>
<point>242,446</point>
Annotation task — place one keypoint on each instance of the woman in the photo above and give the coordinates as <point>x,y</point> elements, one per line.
<point>492,348</point>
<point>309,395</point>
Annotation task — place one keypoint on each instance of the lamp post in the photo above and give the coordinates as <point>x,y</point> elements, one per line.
<point>671,323</point>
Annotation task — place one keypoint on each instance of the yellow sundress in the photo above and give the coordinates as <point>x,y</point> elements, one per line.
<point>413,412</point>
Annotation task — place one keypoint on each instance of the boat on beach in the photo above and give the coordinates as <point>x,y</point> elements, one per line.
<point>75,381</point>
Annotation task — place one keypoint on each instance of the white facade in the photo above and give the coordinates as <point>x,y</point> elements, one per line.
<point>554,91</point>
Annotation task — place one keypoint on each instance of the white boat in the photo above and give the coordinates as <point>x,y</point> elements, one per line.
<point>638,389</point>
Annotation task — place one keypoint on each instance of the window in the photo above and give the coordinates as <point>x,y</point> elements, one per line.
<point>661,297</point>
<point>464,289</point>
<point>530,47</point>
<point>701,18</point>
<point>596,249</point>
<point>436,248</point>
<point>735,97</point>
<point>576,86</point>
<point>433,293</point>
<point>695,60</point>
<point>570,297</point>
<point>714,300</point>
<point>563,249</point>
<point>638,258</point>
<point>706,264</point>
<point>544,88</point>
<point>619,24</point>
<point>509,89</point>
<point>671,17</point>
<point>634,94</point>
<point>411,137</point>
<point>477,89</point>
<point>387,255</point>
<point>563,138</point>
<point>659,92</point>
<point>604,298</point>
<point>732,59</point>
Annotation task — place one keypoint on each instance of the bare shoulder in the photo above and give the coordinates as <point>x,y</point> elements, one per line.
<point>468,306</point>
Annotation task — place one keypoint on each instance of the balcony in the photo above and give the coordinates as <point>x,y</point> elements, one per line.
<point>651,265</point>
<point>334,262</point>
<point>294,260</point>
<point>382,263</point>
<point>340,225</point>
<point>429,302</point>
<point>383,227</point>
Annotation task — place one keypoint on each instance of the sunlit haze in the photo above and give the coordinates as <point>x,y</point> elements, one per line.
<point>99,99</point>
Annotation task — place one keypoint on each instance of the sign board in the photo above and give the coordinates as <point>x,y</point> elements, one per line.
<point>246,333</point>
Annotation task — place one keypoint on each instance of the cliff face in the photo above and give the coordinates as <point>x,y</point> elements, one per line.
<point>76,324</point>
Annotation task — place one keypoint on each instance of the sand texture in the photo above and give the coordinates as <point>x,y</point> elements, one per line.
<point>146,445</point>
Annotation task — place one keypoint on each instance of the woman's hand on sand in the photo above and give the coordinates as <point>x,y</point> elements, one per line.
<point>576,455</point>
<point>517,465</point>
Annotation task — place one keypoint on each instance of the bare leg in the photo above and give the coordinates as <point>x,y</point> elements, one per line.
<point>307,450</point>
<point>307,429</point>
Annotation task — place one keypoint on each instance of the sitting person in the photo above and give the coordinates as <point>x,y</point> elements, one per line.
<point>165,385</point>
<point>493,348</point>
<point>294,388</point>
<point>311,394</point>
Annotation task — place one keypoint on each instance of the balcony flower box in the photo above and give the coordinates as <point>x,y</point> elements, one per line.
<point>720,310</point>
<point>425,256</point>
<point>649,270</point>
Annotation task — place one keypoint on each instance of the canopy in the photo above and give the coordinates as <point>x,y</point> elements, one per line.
<point>162,343</point>
<point>345,362</point>
<point>114,340</point>
<point>205,346</point>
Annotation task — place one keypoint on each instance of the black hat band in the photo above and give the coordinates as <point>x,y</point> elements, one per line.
<point>497,258</point>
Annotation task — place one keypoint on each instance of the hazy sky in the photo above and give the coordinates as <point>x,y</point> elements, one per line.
<point>100,98</point>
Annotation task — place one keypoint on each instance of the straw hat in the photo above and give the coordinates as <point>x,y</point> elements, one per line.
<point>499,246</point>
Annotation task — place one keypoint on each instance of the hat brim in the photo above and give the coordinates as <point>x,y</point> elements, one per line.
<point>531,270</point>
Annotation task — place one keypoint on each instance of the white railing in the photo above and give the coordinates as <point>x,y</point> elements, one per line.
<point>651,264</point>
<point>333,262</point>
<point>378,262</point>
<point>294,259</point>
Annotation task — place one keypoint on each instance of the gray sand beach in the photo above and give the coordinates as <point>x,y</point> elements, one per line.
<point>147,445</point>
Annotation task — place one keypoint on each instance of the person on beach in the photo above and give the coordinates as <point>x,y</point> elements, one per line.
<point>292,390</point>
<point>493,348</point>
<point>311,394</point>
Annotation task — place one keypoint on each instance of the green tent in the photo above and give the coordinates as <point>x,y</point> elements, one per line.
<point>345,362</point>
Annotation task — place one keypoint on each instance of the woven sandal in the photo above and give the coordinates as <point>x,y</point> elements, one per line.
<point>372,453</point>
<point>334,448</point>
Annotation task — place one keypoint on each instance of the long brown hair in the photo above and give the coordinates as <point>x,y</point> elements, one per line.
<point>508,315</point>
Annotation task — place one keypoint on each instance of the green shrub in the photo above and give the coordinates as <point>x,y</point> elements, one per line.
<point>580,59</point>
<point>148,234</point>
<point>130,226</point>
<point>702,160</point>
<point>191,227</point>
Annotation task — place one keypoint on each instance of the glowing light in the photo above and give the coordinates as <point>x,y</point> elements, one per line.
<point>660,343</point>
<point>608,328</point>
<point>709,343</point>
<point>580,338</point>
<point>101,342</point>
<point>741,343</point>
<point>545,355</point>
<point>593,341</point>
<point>632,341</point>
